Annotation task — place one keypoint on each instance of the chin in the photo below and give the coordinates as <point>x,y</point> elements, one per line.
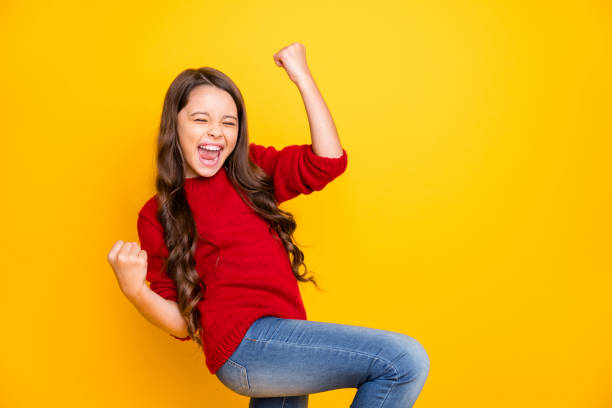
<point>208,172</point>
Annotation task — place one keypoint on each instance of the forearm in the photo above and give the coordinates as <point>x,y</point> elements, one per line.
<point>325,141</point>
<point>163,313</point>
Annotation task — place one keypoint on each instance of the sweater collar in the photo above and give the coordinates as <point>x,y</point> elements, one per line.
<point>191,182</point>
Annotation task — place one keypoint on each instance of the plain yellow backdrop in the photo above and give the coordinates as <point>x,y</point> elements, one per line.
<point>474,214</point>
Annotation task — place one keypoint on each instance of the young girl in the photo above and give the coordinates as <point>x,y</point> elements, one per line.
<point>222,262</point>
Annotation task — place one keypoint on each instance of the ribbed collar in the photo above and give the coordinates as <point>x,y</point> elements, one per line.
<point>194,182</point>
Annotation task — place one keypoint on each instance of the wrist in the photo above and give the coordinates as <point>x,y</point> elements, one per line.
<point>135,294</point>
<point>304,80</point>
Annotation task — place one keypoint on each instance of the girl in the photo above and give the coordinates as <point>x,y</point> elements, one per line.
<point>222,262</point>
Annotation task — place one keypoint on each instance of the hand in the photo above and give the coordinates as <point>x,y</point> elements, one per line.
<point>293,59</point>
<point>129,263</point>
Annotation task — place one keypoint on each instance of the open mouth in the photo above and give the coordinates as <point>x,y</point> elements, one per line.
<point>209,154</point>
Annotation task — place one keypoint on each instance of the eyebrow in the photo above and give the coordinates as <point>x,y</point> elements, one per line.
<point>206,113</point>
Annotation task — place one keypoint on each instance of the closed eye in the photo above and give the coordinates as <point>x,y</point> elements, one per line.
<point>204,120</point>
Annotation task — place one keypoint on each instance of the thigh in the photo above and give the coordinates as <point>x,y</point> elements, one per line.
<point>288,357</point>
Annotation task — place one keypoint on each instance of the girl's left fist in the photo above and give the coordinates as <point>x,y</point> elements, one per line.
<point>293,59</point>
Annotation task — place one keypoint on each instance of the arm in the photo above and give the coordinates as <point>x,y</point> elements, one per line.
<point>158,304</point>
<point>302,169</point>
<point>296,169</point>
<point>325,141</point>
<point>163,313</point>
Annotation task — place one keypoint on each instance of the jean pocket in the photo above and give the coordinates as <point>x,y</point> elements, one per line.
<point>234,376</point>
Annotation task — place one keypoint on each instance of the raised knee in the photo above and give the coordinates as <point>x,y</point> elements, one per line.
<point>413,361</point>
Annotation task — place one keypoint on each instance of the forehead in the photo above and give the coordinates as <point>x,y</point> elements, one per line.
<point>211,99</point>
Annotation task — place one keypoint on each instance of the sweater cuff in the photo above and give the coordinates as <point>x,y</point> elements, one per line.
<point>333,164</point>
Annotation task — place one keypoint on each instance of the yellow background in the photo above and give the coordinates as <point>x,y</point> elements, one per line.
<point>474,214</point>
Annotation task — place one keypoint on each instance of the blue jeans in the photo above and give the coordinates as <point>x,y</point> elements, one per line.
<point>280,361</point>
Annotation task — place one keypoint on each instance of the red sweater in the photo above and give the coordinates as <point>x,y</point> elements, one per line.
<point>252,277</point>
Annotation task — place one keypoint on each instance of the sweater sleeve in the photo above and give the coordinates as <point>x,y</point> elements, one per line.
<point>296,169</point>
<point>152,241</point>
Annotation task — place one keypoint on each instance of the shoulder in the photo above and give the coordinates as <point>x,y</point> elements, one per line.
<point>267,157</point>
<point>149,211</point>
<point>264,156</point>
<point>256,151</point>
<point>150,231</point>
<point>149,207</point>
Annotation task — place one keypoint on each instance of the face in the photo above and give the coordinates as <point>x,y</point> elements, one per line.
<point>209,120</point>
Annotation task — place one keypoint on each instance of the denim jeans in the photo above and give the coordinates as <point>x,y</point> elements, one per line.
<point>280,361</point>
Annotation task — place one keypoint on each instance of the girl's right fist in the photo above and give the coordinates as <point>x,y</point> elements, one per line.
<point>129,263</point>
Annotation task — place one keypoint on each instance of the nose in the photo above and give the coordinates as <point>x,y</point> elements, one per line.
<point>214,131</point>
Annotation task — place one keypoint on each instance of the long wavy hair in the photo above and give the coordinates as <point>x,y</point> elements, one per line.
<point>254,186</point>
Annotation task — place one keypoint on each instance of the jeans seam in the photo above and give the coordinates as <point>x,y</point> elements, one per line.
<point>390,388</point>
<point>390,363</point>
<point>335,348</point>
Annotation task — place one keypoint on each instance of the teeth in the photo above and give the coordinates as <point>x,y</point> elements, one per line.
<point>209,147</point>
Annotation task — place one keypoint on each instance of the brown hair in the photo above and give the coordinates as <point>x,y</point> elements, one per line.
<point>254,186</point>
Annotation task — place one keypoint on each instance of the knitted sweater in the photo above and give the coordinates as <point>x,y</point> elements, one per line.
<point>247,273</point>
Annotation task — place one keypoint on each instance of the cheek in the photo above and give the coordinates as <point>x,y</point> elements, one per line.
<point>184,146</point>
<point>233,140</point>
<point>188,138</point>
